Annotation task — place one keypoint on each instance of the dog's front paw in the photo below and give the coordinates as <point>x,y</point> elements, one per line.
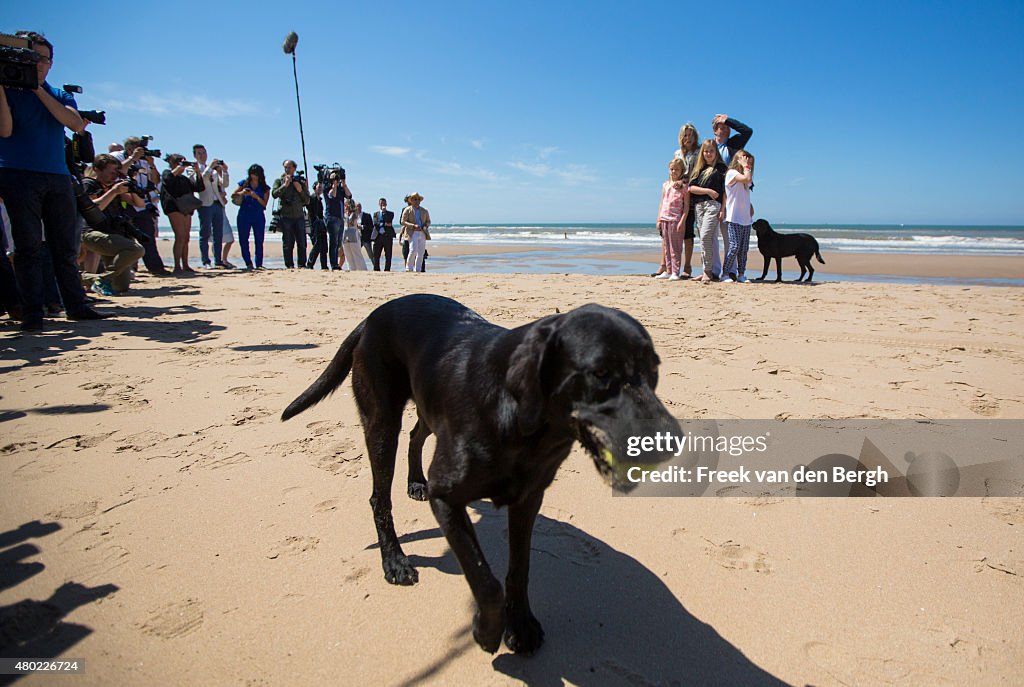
<point>523,633</point>
<point>398,570</point>
<point>417,491</point>
<point>488,626</point>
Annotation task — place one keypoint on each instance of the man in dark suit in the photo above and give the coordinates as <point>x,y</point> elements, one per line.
<point>383,236</point>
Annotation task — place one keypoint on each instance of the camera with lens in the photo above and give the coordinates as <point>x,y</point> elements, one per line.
<point>18,62</point>
<point>133,186</point>
<point>326,174</point>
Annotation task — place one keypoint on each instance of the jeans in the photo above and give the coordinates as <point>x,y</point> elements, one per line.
<point>335,225</point>
<point>385,243</point>
<point>38,202</point>
<point>257,224</point>
<point>146,223</point>
<point>320,245</point>
<point>293,236</point>
<point>211,219</point>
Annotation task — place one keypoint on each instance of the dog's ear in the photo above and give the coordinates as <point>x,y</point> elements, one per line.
<point>524,376</point>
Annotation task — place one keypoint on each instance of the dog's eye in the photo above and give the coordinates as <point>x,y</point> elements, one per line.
<point>601,373</point>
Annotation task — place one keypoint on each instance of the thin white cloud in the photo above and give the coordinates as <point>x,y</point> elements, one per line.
<point>797,181</point>
<point>479,145</point>
<point>393,151</point>
<point>178,104</point>
<point>570,174</point>
<point>545,153</point>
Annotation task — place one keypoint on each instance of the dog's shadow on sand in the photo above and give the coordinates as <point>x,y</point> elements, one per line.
<point>607,619</point>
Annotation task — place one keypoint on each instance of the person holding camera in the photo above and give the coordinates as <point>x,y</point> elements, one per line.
<point>211,212</point>
<point>318,229</point>
<point>113,195</point>
<point>292,196</point>
<point>251,196</point>
<point>139,163</point>
<point>178,201</point>
<point>36,185</point>
<point>335,195</point>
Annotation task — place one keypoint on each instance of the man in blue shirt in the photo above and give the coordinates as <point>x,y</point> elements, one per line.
<point>36,186</point>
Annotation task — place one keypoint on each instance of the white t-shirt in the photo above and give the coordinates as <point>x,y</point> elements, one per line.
<point>737,200</point>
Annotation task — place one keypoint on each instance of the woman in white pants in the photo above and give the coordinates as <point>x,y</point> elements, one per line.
<point>350,239</point>
<point>415,229</point>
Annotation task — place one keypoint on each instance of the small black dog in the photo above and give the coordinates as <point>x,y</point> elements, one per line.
<point>775,245</point>
<point>506,406</point>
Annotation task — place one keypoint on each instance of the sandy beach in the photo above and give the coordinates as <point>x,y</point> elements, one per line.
<point>162,524</point>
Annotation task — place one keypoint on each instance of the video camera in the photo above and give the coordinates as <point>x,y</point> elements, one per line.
<point>94,116</point>
<point>324,173</point>
<point>147,151</point>
<point>18,62</point>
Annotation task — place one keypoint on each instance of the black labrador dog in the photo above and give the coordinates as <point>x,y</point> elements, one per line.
<point>506,407</point>
<point>772,244</point>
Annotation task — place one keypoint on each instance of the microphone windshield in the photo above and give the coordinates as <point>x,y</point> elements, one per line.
<point>290,41</point>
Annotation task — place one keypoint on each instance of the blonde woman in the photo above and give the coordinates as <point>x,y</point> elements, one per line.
<point>707,191</point>
<point>350,239</point>
<point>688,152</point>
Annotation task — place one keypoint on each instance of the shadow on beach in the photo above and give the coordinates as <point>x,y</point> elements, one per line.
<point>31,628</point>
<point>607,618</point>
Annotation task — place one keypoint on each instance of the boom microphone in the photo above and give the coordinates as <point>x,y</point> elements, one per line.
<point>290,41</point>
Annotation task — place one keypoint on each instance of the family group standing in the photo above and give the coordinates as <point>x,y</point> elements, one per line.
<point>707,195</point>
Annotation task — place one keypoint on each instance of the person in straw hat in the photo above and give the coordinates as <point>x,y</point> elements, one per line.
<point>415,229</point>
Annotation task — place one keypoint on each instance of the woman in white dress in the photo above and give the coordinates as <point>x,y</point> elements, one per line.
<point>350,239</point>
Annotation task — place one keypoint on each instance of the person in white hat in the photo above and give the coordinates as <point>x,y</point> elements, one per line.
<point>415,229</point>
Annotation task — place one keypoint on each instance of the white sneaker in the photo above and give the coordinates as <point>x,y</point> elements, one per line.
<point>742,279</point>
<point>663,275</point>
<point>674,277</point>
<point>727,280</point>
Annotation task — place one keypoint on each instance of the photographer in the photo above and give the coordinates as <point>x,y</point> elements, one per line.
<point>211,214</point>
<point>292,195</point>
<point>178,201</point>
<point>113,195</point>
<point>336,192</point>
<point>318,229</point>
<point>137,156</point>
<point>36,185</point>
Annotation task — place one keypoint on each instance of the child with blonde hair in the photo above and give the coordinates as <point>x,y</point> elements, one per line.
<point>738,214</point>
<point>675,204</point>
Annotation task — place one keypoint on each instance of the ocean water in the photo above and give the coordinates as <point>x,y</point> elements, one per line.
<point>923,239</point>
<point>577,247</point>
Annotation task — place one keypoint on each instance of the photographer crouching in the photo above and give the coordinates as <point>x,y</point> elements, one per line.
<point>35,183</point>
<point>115,196</point>
<point>293,196</point>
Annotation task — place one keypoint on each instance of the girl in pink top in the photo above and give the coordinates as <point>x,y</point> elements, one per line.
<point>675,203</point>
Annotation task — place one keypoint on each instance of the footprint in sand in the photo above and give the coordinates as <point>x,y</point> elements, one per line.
<point>75,511</point>
<point>733,556</point>
<point>174,620</point>
<point>79,442</point>
<point>18,447</point>
<point>293,546</point>
<point>850,669</point>
<point>1009,510</point>
<point>140,441</point>
<point>327,506</point>
<point>321,427</point>
<point>554,539</point>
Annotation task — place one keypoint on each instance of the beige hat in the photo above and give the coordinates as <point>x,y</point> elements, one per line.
<point>415,194</point>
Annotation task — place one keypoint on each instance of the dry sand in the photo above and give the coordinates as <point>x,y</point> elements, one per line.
<point>143,459</point>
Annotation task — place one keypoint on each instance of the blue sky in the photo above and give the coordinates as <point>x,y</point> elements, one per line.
<point>557,112</point>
